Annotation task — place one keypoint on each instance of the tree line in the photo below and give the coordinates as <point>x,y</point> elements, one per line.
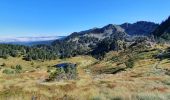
<point>60,49</point>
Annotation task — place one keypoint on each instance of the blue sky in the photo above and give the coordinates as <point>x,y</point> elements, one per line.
<point>61,17</point>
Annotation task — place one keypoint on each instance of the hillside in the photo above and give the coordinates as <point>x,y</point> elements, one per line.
<point>86,42</point>
<point>134,74</point>
<point>163,31</point>
<point>93,36</point>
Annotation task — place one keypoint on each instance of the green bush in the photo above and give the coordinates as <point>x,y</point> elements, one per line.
<point>115,58</point>
<point>63,73</point>
<point>18,69</point>
<point>8,71</point>
<point>13,70</point>
<point>129,63</point>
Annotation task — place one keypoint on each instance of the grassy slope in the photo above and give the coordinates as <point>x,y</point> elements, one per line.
<point>147,80</point>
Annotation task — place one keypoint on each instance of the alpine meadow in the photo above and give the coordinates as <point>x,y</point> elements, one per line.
<point>42,58</point>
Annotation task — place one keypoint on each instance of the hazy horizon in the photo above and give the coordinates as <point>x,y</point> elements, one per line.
<point>21,18</point>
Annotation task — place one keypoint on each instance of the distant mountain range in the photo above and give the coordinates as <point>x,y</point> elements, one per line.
<point>90,38</point>
<point>29,41</point>
<point>96,41</point>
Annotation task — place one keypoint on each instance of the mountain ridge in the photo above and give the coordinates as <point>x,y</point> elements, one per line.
<point>139,28</point>
<point>112,30</point>
<point>85,42</point>
<point>163,31</point>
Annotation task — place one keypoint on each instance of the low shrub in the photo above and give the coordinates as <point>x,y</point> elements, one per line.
<point>8,71</point>
<point>13,70</point>
<point>63,73</point>
<point>129,63</point>
<point>18,68</point>
<point>115,58</point>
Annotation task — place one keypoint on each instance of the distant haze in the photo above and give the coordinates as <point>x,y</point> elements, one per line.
<point>28,39</point>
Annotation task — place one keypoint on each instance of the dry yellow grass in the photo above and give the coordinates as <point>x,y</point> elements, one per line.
<point>143,82</point>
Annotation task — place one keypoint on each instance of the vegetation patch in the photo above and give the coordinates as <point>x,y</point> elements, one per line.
<point>18,69</point>
<point>13,70</point>
<point>8,71</point>
<point>64,71</point>
<point>129,63</point>
<point>115,58</point>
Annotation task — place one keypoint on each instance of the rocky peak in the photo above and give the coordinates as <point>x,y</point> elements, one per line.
<point>139,28</point>
<point>115,28</point>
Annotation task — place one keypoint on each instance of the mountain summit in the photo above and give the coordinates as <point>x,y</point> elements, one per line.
<point>86,41</point>
<point>139,28</point>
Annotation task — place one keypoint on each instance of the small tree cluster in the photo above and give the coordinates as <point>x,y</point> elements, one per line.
<point>129,63</point>
<point>11,50</point>
<point>67,72</point>
<point>104,47</point>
